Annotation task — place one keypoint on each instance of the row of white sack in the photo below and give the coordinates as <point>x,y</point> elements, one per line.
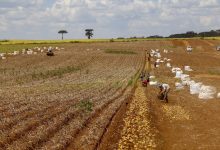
<point>203,91</point>
<point>163,60</point>
<point>168,64</point>
<point>155,53</point>
<point>176,70</point>
<point>45,48</point>
<point>179,71</point>
<point>17,53</point>
<point>158,51</point>
<point>28,52</point>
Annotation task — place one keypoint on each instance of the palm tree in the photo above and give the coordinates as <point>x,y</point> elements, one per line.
<point>89,33</point>
<point>62,32</point>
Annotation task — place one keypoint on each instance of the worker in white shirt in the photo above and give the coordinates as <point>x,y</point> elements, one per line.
<point>164,90</point>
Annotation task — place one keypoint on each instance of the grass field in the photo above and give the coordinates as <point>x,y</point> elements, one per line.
<point>93,40</point>
<point>12,45</point>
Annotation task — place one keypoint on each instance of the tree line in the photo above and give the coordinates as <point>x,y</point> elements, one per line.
<point>189,34</point>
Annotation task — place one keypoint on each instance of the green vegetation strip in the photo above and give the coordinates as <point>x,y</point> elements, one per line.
<point>91,40</point>
<point>214,72</point>
<point>111,51</point>
<point>53,73</point>
<point>18,47</point>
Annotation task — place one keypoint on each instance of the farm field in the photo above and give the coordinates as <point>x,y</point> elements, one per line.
<point>186,122</point>
<point>87,95</point>
<point>46,102</point>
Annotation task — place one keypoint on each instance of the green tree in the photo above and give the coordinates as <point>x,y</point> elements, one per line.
<point>62,32</point>
<point>89,33</point>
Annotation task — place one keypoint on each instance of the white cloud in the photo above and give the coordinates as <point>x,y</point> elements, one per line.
<point>208,3</point>
<point>108,17</point>
<point>206,20</point>
<point>3,24</point>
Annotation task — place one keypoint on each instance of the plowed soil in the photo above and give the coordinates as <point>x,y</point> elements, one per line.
<point>85,99</point>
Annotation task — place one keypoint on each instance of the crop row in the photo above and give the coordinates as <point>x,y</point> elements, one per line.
<point>40,123</point>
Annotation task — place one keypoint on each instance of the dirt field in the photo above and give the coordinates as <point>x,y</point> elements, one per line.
<point>186,122</point>
<point>84,98</point>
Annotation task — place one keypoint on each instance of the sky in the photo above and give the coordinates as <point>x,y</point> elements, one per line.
<point>42,19</point>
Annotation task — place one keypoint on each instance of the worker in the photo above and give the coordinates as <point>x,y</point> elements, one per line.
<point>149,57</point>
<point>142,76</point>
<point>146,81</point>
<point>164,90</point>
<point>49,50</point>
<point>155,64</point>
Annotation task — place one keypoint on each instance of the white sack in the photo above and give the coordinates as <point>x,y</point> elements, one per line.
<point>195,88</point>
<point>207,92</point>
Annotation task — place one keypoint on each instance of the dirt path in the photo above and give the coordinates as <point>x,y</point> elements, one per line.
<point>132,127</point>
<point>138,131</point>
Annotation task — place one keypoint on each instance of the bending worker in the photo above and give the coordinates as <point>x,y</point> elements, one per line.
<point>164,90</point>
